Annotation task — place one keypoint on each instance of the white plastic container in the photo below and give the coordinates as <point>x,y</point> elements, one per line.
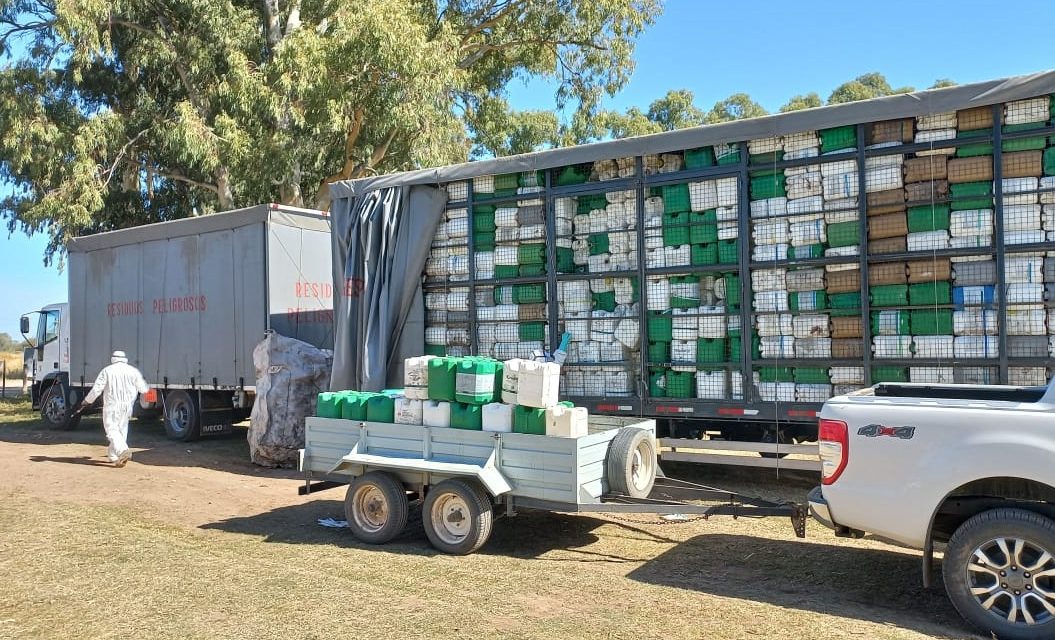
<point>1026,320</point>
<point>566,422</point>
<point>1034,236</point>
<point>616,381</point>
<point>892,346</point>
<point>928,240</point>
<point>770,301</point>
<point>807,233</point>
<point>770,232</point>
<point>683,351</point>
<point>728,194</point>
<point>538,384</point>
<point>769,252</point>
<point>840,185</point>
<point>506,255</point>
<point>971,222</point>
<point>1022,217</point>
<point>813,325</point>
<point>1024,269</point>
<point>1027,376</point>
<point>711,385</point>
<point>435,413</point>
<point>408,411</point>
<point>1047,183</point>
<point>416,377</point>
<point>777,346</point>
<point>574,382</point>
<point>1025,294</point>
<point>774,324</point>
<point>769,207</point>
<point>974,322</point>
<point>627,333</point>
<point>1029,110</point>
<point>883,178</point>
<point>712,322</point>
<point>769,280</point>
<point>933,346</point>
<point>976,347</point>
<point>612,352</point>
<point>602,326</point>
<point>935,135</point>
<point>679,256</point>
<point>798,142</point>
<point>703,195</point>
<point>803,185</point>
<point>805,279</point>
<point>510,377</point>
<point>845,389</point>
<point>847,375</point>
<point>658,294</point>
<point>777,391</point>
<point>931,375</point>
<point>888,322</point>
<point>813,347</point>
<point>812,392</point>
<point>497,417</point>
<point>943,120</point>
<point>799,206</point>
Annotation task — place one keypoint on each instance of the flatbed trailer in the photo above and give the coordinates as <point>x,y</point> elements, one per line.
<point>468,478</point>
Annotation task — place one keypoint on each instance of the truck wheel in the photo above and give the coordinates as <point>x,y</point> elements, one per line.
<point>457,516</point>
<point>631,464</point>
<point>182,415</point>
<point>55,407</point>
<point>376,507</point>
<point>999,572</point>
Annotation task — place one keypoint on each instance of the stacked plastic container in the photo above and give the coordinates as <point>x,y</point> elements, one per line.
<point>447,278</point>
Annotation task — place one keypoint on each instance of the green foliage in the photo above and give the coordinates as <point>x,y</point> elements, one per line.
<point>865,87</point>
<point>807,101</point>
<point>124,112</point>
<point>942,83</point>
<point>736,107</point>
<point>9,344</point>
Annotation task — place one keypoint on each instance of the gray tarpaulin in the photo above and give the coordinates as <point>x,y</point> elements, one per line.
<point>381,239</point>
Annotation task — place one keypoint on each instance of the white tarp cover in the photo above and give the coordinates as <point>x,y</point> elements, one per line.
<point>290,374</point>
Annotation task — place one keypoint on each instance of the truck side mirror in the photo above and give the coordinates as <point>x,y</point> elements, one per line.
<point>24,326</point>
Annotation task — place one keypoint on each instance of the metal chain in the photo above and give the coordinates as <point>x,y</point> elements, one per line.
<point>659,521</point>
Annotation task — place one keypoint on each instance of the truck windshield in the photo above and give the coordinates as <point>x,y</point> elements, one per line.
<point>48,329</point>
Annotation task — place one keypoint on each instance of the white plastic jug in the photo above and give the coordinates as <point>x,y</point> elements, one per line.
<point>931,375</point>
<point>812,392</point>
<point>510,380</point>
<point>711,385</point>
<point>498,417</point>
<point>408,411</point>
<point>435,413</point>
<point>416,377</point>
<point>933,346</point>
<point>538,384</point>
<point>566,422</point>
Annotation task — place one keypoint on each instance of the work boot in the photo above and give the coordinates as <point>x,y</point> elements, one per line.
<point>123,458</point>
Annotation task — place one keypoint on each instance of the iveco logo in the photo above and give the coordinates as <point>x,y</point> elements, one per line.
<point>878,430</point>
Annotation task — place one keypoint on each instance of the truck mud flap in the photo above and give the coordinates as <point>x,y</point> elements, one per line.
<point>217,423</point>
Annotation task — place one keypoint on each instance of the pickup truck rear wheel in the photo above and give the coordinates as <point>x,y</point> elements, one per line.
<point>376,507</point>
<point>458,516</point>
<point>999,572</point>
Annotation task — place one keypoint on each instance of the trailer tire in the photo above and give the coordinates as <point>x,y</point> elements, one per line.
<point>376,507</point>
<point>631,464</point>
<point>182,415</point>
<point>458,516</point>
<point>1027,535</point>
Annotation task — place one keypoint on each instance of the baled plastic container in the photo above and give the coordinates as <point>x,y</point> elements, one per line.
<point>475,380</point>
<point>498,417</point>
<point>538,384</point>
<point>408,411</point>
<point>416,377</point>
<point>436,413</point>
<point>510,379</point>
<point>566,422</point>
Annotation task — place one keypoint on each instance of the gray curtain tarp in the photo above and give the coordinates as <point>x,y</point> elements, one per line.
<point>381,239</point>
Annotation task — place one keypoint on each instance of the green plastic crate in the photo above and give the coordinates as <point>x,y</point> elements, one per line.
<point>703,254</point>
<point>586,204</point>
<point>532,270</point>
<point>807,251</point>
<point>889,295</point>
<point>844,234</point>
<point>768,187</point>
<point>484,222</point>
<point>529,293</point>
<point>678,302</point>
<point>598,243</point>
<point>466,416</point>
<point>529,420</point>
<point>971,204</point>
<point>483,238</point>
<point>657,382</point>
<point>503,271</point>
<point>898,320</point>
<point>775,374</point>
<point>484,210</point>
<point>728,252</point>
<point>711,350</point>
<point>505,193</point>
<point>676,198</point>
<point>659,351</point>
<point>837,138</point>
<point>931,322</point>
<point>732,289</point>
<point>681,384</point>
<point>532,253</point>
<point>851,300</point>
<point>531,179</point>
<point>532,331</point>
<point>726,154</point>
<point>505,294</point>
<point>380,408</point>
<point>808,300</point>
<point>1033,143</point>
<point>675,228</point>
<point>811,375</point>
<point>699,158</point>
<point>565,260</point>
<point>327,405</point>
<point>736,346</point>
<point>703,234</point>
<point>971,189</point>
<point>972,149</point>
<point>353,405</point>
<point>765,158</point>
<point>575,174</point>
<point>937,292</point>
<point>506,181</point>
<point>437,350</point>
<point>1049,162</point>
<point>660,326</point>
<point>928,217</point>
<point>604,301</point>
<point>889,374</point>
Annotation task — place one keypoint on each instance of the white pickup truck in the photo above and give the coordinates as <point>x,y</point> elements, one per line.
<point>971,467</point>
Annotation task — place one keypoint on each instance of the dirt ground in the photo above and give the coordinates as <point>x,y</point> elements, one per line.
<point>193,541</point>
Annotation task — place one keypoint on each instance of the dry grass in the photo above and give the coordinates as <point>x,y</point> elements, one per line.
<point>16,412</point>
<point>13,361</point>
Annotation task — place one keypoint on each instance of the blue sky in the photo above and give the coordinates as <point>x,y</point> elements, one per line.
<point>771,50</point>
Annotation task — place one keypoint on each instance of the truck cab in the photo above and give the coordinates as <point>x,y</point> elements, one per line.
<point>49,362</point>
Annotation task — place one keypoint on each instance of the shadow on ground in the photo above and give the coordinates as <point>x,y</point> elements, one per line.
<point>879,585</point>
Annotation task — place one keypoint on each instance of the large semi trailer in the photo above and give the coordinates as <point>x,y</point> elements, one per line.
<point>187,300</point>
<point>731,278</point>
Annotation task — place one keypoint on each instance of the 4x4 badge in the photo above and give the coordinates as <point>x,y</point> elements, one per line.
<point>878,430</point>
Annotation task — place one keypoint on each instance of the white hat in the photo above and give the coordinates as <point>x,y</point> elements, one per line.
<point>118,356</point>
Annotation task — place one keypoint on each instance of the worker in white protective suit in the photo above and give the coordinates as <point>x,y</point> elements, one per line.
<point>119,385</point>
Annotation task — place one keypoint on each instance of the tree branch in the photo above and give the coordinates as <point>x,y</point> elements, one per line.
<point>121,154</point>
<point>350,140</point>
<point>493,20</point>
<point>273,28</point>
<point>482,49</point>
<point>182,178</point>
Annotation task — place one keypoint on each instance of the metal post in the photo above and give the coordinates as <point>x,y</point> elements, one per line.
<point>3,388</point>
<point>642,287</point>
<point>998,241</point>
<point>862,219</point>
<point>552,305</point>
<point>470,244</point>
<point>743,214</point>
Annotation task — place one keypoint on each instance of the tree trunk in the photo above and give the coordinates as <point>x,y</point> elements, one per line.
<point>223,189</point>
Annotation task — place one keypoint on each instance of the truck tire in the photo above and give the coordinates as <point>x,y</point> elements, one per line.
<point>457,516</point>
<point>999,572</point>
<point>182,415</point>
<point>55,408</point>
<point>376,507</point>
<point>631,463</point>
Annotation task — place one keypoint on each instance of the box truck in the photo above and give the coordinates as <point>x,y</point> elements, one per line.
<point>187,300</point>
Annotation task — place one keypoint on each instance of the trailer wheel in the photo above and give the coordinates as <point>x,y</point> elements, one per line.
<point>631,464</point>
<point>376,507</point>
<point>182,415</point>
<point>999,572</point>
<point>458,517</point>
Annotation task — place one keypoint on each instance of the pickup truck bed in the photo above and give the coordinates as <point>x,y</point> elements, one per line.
<point>958,392</point>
